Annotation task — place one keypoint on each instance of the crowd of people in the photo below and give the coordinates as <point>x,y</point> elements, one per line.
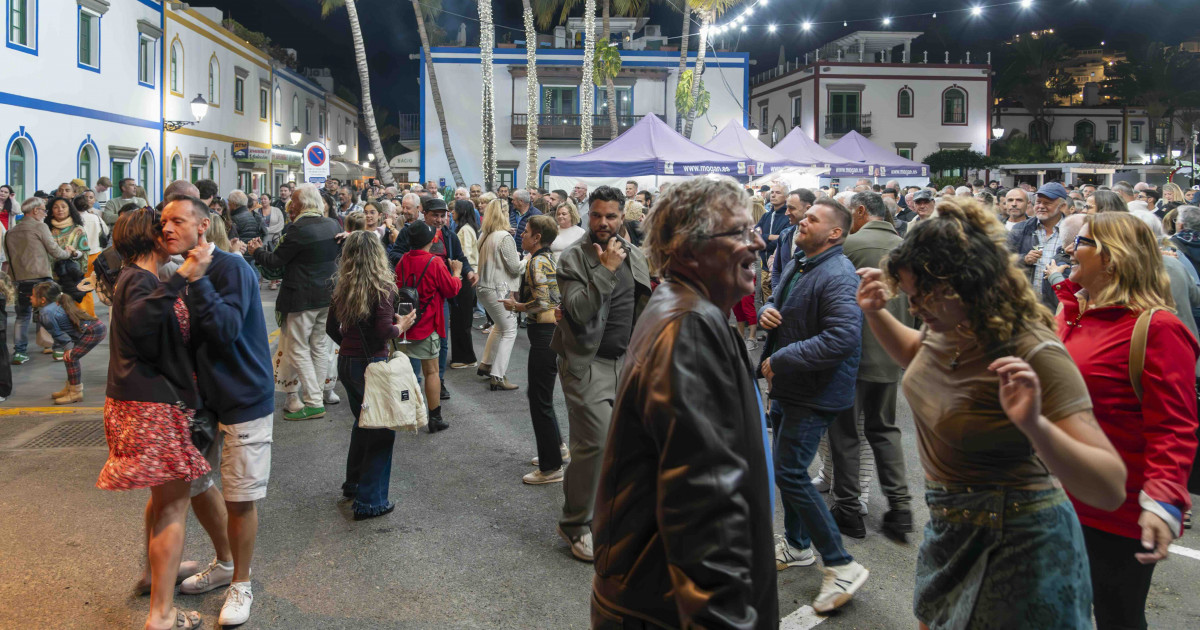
<point>1044,338</point>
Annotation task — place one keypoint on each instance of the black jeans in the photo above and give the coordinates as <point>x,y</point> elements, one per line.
<point>462,312</point>
<point>543,372</point>
<point>5,366</point>
<point>1119,582</point>
<point>369,462</point>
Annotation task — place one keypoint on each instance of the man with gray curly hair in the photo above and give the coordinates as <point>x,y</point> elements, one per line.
<point>687,467</point>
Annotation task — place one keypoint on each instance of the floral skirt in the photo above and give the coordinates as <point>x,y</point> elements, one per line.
<point>996,557</point>
<point>149,444</point>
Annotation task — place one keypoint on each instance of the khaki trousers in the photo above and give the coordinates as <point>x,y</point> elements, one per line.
<point>304,349</point>
<point>589,413</point>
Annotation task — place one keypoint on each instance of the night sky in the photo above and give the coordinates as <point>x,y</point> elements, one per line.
<point>391,35</point>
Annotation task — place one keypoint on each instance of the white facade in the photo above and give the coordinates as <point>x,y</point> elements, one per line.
<point>1128,133</point>
<point>913,109</point>
<point>646,85</point>
<point>81,93</point>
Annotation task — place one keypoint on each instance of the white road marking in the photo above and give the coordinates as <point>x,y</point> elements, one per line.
<point>802,619</point>
<point>1184,551</point>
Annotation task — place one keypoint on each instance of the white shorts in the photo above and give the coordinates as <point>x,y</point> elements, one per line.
<point>243,455</point>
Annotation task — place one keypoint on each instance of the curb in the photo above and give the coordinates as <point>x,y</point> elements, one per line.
<point>50,411</point>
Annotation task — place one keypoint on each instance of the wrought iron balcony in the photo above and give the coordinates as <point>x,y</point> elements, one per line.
<point>569,126</point>
<point>841,124</point>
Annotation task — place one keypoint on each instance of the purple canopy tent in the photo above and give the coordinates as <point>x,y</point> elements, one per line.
<point>734,140</point>
<point>798,147</point>
<point>879,162</point>
<point>650,147</point>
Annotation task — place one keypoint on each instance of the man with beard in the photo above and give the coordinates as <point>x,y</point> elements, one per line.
<point>604,282</point>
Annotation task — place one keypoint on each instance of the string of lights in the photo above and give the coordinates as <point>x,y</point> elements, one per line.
<point>487,36</point>
<point>741,22</point>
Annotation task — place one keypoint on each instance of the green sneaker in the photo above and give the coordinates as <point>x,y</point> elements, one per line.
<point>307,413</point>
<point>58,355</point>
<point>19,358</point>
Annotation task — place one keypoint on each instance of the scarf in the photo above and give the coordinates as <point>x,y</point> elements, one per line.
<point>62,225</point>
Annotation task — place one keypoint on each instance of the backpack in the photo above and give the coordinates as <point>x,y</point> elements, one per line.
<point>106,268</point>
<point>409,299</point>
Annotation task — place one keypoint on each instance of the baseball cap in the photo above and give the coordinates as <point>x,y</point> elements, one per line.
<point>434,204</point>
<point>420,233</point>
<point>923,195</point>
<point>1053,190</point>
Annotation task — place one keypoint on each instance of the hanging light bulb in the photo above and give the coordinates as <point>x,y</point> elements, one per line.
<point>976,11</point>
<point>743,28</point>
<point>935,16</point>
<point>844,23</point>
<point>887,21</point>
<point>1025,4</point>
<point>806,26</point>
<point>771,28</point>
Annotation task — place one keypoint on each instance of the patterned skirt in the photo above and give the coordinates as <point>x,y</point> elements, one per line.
<point>149,444</point>
<point>1001,558</point>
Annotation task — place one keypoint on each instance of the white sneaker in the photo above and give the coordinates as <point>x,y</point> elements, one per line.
<point>213,577</point>
<point>538,477</point>
<point>839,586</point>
<point>788,556</point>
<point>331,397</point>
<point>562,448</point>
<point>581,547</point>
<point>862,506</point>
<point>236,610</point>
<point>293,403</point>
<point>821,484</point>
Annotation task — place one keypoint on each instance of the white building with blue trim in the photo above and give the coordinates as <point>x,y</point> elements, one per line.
<point>645,86</point>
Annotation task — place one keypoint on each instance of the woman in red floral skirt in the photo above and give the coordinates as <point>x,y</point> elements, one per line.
<point>151,398</point>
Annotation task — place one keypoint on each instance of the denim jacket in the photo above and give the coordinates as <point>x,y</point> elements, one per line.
<point>816,350</point>
<point>54,319</point>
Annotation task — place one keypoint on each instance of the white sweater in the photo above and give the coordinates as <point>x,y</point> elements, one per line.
<point>499,265</point>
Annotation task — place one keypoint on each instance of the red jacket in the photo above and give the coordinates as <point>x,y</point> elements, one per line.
<point>1156,438</point>
<point>437,286</point>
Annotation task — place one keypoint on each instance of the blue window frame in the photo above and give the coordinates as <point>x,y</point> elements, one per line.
<point>21,25</point>
<point>88,40</point>
<point>146,65</point>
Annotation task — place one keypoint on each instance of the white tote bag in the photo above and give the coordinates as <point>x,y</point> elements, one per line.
<point>392,398</point>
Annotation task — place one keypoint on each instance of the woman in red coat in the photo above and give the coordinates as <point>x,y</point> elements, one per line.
<point>1119,276</point>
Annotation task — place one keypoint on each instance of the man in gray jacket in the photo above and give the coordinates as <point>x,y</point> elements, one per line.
<point>29,248</point>
<point>604,282</point>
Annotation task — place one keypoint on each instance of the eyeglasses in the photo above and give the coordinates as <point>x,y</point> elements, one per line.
<point>747,234</point>
<point>1083,240</point>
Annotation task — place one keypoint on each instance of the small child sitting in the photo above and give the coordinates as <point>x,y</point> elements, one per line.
<point>67,323</point>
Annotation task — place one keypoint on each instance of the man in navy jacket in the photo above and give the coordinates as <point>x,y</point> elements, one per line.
<point>233,371</point>
<point>811,361</point>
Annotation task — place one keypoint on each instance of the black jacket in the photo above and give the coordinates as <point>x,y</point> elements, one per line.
<point>249,224</point>
<point>1021,239</point>
<point>454,251</point>
<point>307,254</point>
<point>683,522</point>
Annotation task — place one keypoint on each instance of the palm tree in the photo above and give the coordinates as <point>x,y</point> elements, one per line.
<point>610,97</point>
<point>546,12</point>
<point>430,9</point>
<point>487,39</point>
<point>708,10</point>
<point>683,53</point>
<point>531,93</point>
<point>1033,76</point>
<point>382,169</point>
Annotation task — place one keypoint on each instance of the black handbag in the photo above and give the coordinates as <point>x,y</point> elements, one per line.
<point>203,425</point>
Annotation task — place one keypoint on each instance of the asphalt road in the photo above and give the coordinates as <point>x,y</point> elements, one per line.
<point>469,546</point>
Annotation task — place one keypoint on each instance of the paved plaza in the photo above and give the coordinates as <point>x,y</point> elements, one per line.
<point>469,546</point>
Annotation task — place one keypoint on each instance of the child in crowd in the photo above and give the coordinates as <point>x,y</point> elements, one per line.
<point>67,323</point>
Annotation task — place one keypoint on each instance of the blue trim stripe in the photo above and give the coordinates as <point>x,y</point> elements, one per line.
<point>421,147</point>
<point>73,110</point>
<point>579,52</point>
<point>20,133</point>
<point>301,82</point>
<point>79,153</point>
<point>497,61</point>
<point>152,4</point>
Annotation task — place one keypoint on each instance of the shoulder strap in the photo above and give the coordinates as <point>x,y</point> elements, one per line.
<point>1137,350</point>
<point>422,276</point>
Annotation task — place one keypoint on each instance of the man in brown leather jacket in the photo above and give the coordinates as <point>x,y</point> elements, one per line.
<point>683,535</point>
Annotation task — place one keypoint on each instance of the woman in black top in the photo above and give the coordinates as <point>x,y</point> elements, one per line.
<point>361,321</point>
<point>151,399</point>
<point>462,309</point>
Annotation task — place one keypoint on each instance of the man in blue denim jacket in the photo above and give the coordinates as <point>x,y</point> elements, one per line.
<point>811,362</point>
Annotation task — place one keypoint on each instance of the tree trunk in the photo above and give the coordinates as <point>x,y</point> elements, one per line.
<point>531,91</point>
<point>683,53</point>
<point>587,85</point>
<point>487,40</point>
<point>609,90</point>
<point>698,71</point>
<point>437,97</point>
<point>382,169</point>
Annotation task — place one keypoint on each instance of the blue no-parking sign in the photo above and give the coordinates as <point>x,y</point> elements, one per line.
<point>316,163</point>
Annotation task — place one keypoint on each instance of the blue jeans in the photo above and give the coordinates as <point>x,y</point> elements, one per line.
<point>805,514</point>
<point>24,313</point>
<point>369,462</point>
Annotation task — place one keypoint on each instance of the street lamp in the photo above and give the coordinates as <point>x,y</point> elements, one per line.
<point>199,109</point>
<point>997,132</point>
<point>370,157</point>
<point>295,135</point>
<point>1071,149</point>
<point>341,148</point>
<point>1175,153</point>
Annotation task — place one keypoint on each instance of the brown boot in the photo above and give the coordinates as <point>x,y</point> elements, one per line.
<point>501,384</point>
<point>74,395</point>
<point>62,392</point>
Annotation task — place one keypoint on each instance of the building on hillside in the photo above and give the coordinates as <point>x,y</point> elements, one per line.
<point>81,94</point>
<point>875,83</point>
<point>645,86</point>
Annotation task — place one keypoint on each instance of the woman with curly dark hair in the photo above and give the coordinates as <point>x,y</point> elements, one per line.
<point>1003,416</point>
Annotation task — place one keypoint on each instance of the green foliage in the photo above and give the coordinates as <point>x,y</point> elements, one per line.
<point>606,63</point>
<point>1017,148</point>
<point>260,41</point>
<point>964,159</point>
<point>950,180</point>
<point>683,95</point>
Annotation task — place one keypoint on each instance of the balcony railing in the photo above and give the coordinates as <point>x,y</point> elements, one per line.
<point>569,126</point>
<point>410,126</point>
<point>841,124</point>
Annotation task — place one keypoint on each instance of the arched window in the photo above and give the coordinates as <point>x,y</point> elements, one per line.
<point>212,168</point>
<point>176,166</point>
<point>278,97</point>
<point>954,106</point>
<point>295,111</point>
<point>144,173</point>
<point>1085,132</point>
<point>18,170</point>
<point>904,103</point>
<point>177,67</point>
<point>87,165</point>
<point>1038,131</point>
<point>214,82</point>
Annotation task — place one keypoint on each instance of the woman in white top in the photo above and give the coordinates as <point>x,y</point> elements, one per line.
<point>568,228</point>
<point>499,274</point>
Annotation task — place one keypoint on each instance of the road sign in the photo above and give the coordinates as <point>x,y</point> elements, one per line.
<point>316,163</point>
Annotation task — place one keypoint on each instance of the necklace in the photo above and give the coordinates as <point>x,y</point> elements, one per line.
<point>958,350</point>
